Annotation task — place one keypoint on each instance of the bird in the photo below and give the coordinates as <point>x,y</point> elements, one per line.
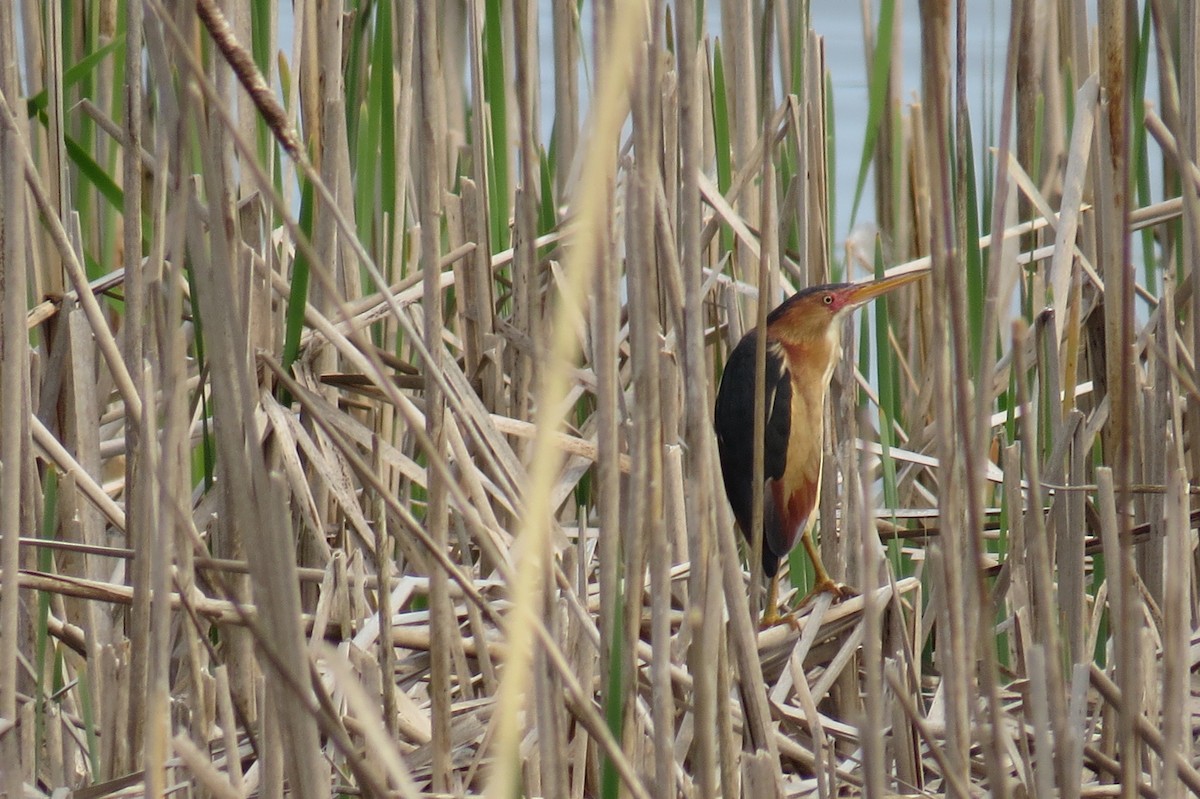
<point>803,346</point>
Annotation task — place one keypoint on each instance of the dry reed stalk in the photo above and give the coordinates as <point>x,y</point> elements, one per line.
<point>953,501</point>
<point>870,570</point>
<point>740,21</point>
<point>148,699</point>
<point>1113,254</point>
<point>15,405</point>
<point>1188,131</point>
<point>702,628</point>
<point>650,542</point>
<point>431,129</point>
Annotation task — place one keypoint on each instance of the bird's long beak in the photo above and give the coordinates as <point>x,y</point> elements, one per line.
<point>865,292</point>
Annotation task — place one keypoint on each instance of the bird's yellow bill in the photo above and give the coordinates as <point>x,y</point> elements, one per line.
<point>864,292</point>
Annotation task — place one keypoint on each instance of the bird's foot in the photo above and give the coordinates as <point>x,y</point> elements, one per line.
<point>773,618</point>
<point>838,591</point>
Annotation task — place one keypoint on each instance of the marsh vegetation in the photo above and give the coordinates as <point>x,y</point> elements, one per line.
<point>356,437</point>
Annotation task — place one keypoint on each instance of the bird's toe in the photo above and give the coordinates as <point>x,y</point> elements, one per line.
<point>838,591</point>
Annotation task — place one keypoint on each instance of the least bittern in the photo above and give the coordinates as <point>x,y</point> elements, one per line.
<point>803,345</point>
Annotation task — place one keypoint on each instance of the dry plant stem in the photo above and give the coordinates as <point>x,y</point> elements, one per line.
<point>605,322</point>
<point>436,516</point>
<point>740,19</point>
<point>476,192</point>
<point>156,545</point>
<point>55,157</point>
<point>1063,265</point>
<point>92,528</point>
<point>753,693</point>
<point>953,651</point>
<point>527,317</point>
<point>1113,252</point>
<point>648,543</point>
<point>54,451</point>
<point>1100,762</point>
<point>143,528</point>
<point>746,175</point>
<point>566,85</point>
<point>170,141</point>
<point>229,724</point>
<point>605,352</point>
<point>15,404</point>
<point>741,631</point>
<point>135,279</point>
<point>217,610</point>
<point>741,66</point>
<point>1176,618</point>
<point>1043,593</point>
<point>1162,134</point>
<point>870,565</point>
<point>697,426</point>
<point>384,564</point>
<point>1189,138</point>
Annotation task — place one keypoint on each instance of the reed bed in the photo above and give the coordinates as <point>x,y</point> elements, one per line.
<point>356,439</point>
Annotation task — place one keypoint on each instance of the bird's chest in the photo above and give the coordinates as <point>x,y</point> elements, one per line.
<point>810,368</point>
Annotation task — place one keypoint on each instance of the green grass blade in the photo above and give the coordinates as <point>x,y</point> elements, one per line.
<point>77,72</point>
<point>294,321</point>
<point>1141,152</point>
<point>495,96</point>
<point>976,264</point>
<point>547,217</point>
<point>721,141</point>
<point>830,160</point>
<point>614,701</point>
<point>877,104</point>
<point>889,400</point>
<point>42,632</point>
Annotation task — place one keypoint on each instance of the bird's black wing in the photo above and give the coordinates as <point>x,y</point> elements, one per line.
<point>733,419</point>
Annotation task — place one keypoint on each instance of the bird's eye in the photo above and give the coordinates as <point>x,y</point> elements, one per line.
<point>827,299</point>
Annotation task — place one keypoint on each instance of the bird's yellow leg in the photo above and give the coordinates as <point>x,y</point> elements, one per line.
<point>771,615</point>
<point>822,582</point>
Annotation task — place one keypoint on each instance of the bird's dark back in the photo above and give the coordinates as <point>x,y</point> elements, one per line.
<point>733,419</point>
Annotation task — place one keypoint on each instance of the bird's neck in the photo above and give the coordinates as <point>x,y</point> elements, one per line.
<point>807,353</point>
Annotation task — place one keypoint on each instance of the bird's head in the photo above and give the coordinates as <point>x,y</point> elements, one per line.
<point>809,314</point>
